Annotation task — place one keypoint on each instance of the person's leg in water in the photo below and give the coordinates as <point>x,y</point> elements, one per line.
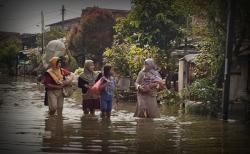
<point>46,103</point>
<point>84,107</point>
<point>52,102</point>
<point>109,108</point>
<point>93,106</point>
<point>103,107</point>
<point>86,111</point>
<point>60,101</point>
<point>92,111</point>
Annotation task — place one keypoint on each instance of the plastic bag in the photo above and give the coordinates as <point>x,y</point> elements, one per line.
<point>68,91</point>
<point>96,88</point>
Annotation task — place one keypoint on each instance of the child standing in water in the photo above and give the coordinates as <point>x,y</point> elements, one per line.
<point>107,86</point>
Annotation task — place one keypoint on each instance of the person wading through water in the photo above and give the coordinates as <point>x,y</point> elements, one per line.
<point>147,83</point>
<point>90,100</point>
<point>54,81</point>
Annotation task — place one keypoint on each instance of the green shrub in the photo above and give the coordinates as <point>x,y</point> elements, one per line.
<point>205,91</point>
<point>128,58</point>
<point>169,97</point>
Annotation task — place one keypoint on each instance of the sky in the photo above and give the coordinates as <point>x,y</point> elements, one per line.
<point>24,16</point>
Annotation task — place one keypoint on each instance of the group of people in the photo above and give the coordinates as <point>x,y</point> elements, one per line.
<point>56,79</point>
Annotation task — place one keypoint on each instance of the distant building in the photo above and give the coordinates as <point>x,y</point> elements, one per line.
<point>67,24</point>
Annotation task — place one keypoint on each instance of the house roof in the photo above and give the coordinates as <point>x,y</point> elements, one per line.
<point>77,19</point>
<point>177,52</point>
<point>189,57</point>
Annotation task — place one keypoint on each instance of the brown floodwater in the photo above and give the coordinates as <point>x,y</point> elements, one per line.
<point>27,128</point>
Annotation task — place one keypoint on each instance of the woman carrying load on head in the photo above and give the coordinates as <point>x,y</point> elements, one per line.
<point>54,82</point>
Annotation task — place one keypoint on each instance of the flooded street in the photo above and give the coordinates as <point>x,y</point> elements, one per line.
<point>27,128</point>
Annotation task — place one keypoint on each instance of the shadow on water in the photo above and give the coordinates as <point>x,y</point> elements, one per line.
<point>27,128</point>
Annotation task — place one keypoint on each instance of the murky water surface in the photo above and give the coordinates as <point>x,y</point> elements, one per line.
<point>27,128</point>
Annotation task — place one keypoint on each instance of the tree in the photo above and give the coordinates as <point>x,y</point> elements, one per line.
<point>128,59</point>
<point>150,22</point>
<point>213,34</point>
<point>8,53</point>
<point>94,34</point>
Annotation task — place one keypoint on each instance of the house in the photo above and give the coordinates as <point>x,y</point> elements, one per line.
<point>67,24</point>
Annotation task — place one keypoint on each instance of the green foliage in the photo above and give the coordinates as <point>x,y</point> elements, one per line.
<point>8,53</point>
<point>169,97</point>
<point>209,59</point>
<point>208,29</point>
<point>128,58</point>
<point>94,34</point>
<point>213,12</point>
<point>78,71</point>
<point>71,61</point>
<point>117,57</point>
<point>203,90</point>
<point>52,34</point>
<point>150,22</point>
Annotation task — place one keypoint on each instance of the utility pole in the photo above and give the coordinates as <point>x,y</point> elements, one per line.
<point>228,57</point>
<point>63,14</point>
<point>42,31</point>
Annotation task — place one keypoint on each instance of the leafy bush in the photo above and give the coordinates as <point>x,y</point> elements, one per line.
<point>169,97</point>
<point>117,57</point>
<point>201,90</point>
<point>205,91</point>
<point>78,71</point>
<point>209,60</point>
<point>128,58</point>
<point>8,53</point>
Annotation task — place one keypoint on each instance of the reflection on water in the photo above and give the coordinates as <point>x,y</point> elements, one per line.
<point>27,128</point>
